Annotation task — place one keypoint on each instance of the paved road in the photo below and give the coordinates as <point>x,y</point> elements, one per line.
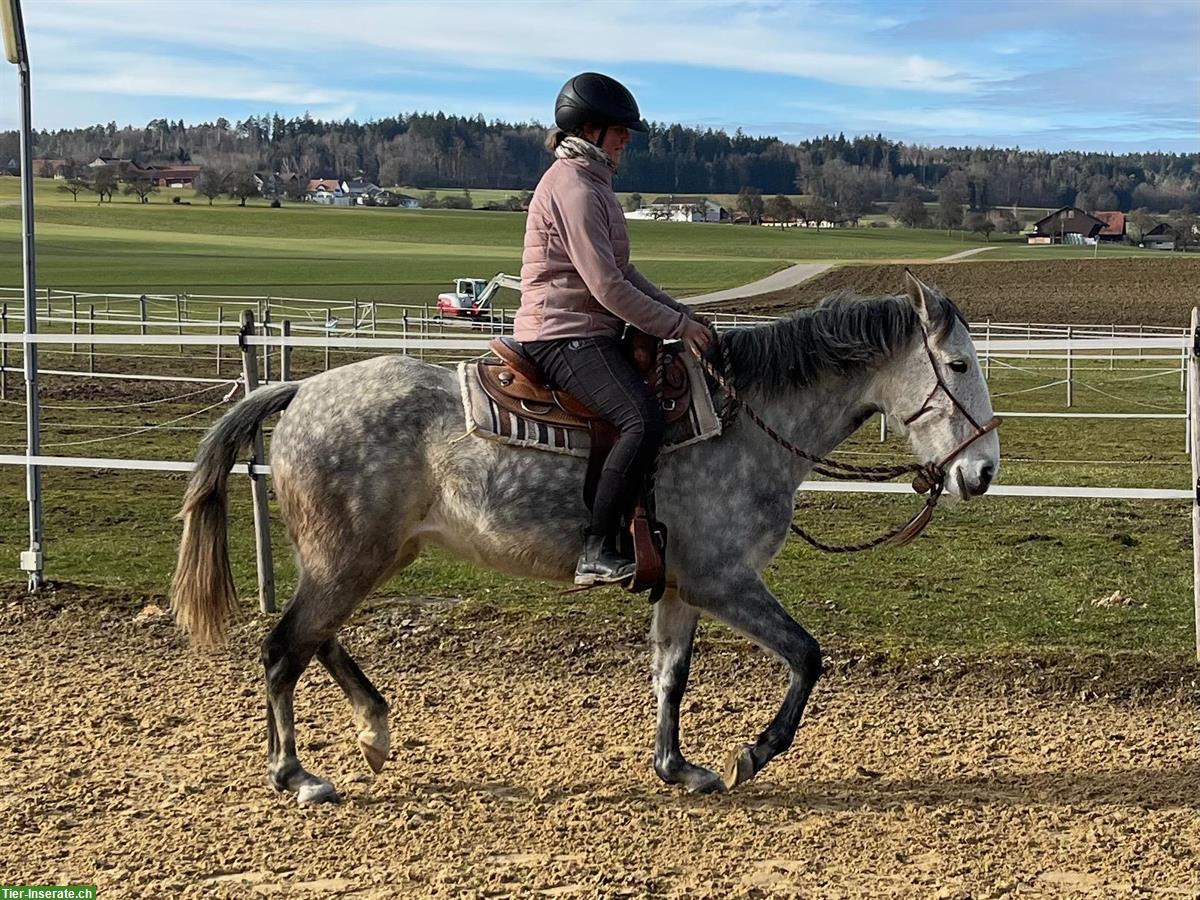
<point>789,277</point>
<point>963,254</point>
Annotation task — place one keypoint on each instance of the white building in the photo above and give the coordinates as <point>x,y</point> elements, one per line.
<point>681,209</point>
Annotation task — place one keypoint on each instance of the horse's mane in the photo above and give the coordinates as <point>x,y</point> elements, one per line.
<point>842,334</point>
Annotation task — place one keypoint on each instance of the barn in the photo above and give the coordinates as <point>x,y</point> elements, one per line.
<point>1067,225</point>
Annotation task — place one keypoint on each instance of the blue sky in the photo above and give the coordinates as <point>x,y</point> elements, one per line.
<point>1052,74</point>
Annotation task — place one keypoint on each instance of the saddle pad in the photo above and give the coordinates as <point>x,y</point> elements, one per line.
<point>486,418</point>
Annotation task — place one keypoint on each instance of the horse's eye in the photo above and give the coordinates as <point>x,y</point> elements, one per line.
<point>958,365</point>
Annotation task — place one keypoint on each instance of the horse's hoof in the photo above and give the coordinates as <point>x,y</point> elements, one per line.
<point>706,782</point>
<point>375,756</point>
<point>319,791</point>
<point>739,768</point>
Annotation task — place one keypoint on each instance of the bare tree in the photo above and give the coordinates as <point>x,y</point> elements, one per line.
<point>241,186</point>
<point>633,201</point>
<point>1143,220</point>
<point>781,208</point>
<point>211,183</point>
<point>952,194</point>
<point>141,185</point>
<point>104,182</point>
<point>75,185</point>
<point>750,202</point>
<point>909,210</point>
<point>981,224</point>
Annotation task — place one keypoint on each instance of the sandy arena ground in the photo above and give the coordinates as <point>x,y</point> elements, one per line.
<point>521,766</point>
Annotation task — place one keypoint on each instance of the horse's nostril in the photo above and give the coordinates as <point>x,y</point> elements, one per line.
<point>986,474</point>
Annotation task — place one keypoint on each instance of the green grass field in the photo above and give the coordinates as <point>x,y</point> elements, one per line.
<point>1001,576</point>
<point>403,256</point>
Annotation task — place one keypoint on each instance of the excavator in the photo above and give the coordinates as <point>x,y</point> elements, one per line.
<point>472,297</point>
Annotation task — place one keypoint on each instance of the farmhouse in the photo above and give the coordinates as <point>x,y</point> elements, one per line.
<point>10,168</point>
<point>681,209</point>
<point>101,162</point>
<point>1068,225</point>
<point>332,185</point>
<point>173,176</point>
<point>277,183</point>
<point>1114,227</point>
<point>1158,238</point>
<point>357,188</point>
<point>48,168</point>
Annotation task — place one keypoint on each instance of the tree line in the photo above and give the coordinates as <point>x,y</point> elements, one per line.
<point>426,150</point>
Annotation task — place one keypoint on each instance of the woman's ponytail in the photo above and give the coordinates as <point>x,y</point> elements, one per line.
<point>554,138</point>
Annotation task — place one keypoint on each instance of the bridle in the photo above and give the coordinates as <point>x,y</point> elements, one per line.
<point>929,478</point>
<point>940,384</point>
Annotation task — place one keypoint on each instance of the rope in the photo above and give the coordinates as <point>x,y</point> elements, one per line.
<point>928,477</point>
<point>212,387</point>
<point>118,437</point>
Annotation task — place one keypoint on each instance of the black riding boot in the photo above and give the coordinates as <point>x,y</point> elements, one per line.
<point>600,563</point>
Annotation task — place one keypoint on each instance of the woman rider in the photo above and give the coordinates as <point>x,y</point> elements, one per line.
<point>578,290</point>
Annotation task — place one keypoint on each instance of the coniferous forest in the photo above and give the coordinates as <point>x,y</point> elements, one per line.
<point>437,150</point>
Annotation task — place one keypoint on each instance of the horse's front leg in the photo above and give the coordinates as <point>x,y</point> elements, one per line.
<point>743,602</point>
<point>672,633</point>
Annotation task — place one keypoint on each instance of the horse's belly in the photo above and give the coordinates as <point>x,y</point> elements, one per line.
<point>534,552</point>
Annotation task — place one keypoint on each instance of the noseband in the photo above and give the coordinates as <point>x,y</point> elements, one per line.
<point>929,478</point>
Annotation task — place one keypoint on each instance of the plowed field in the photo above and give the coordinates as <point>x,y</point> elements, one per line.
<point>521,767</point>
<point>1160,291</point>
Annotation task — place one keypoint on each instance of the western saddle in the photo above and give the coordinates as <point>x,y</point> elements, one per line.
<point>515,384</point>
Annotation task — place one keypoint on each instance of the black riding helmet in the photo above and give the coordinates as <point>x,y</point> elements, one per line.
<point>595,99</point>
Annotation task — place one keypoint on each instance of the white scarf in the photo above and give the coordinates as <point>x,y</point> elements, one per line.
<point>572,147</point>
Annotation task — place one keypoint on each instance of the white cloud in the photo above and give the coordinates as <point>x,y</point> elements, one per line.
<point>531,37</point>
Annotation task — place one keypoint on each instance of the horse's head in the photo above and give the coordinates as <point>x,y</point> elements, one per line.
<point>936,393</point>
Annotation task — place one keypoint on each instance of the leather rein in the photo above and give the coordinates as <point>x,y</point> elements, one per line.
<point>929,479</point>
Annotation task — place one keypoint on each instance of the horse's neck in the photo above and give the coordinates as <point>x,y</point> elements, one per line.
<point>816,419</point>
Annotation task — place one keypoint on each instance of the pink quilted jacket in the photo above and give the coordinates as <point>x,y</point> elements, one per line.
<point>576,278</point>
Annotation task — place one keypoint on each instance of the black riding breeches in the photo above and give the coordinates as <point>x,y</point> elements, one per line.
<point>598,373</point>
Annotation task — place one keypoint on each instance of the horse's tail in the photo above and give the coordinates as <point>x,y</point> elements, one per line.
<point>202,591</point>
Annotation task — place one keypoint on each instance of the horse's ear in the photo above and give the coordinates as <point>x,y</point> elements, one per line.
<point>924,300</point>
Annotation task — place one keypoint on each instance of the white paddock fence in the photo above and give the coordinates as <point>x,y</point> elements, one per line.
<point>995,343</point>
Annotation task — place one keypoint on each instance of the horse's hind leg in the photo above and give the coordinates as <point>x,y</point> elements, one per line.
<point>312,617</point>
<point>672,633</point>
<point>744,603</point>
<point>370,708</point>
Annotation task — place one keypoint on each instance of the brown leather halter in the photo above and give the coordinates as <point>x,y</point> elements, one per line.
<point>929,478</point>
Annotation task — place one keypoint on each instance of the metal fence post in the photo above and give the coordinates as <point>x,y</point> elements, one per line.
<point>74,321</point>
<point>3,352</point>
<point>266,331</point>
<point>285,352</point>
<point>258,486</point>
<point>142,312</point>
<point>220,331</point>
<point>328,329</point>
<point>179,319</point>
<point>91,331</point>
<point>987,350</point>
<point>1070,373</point>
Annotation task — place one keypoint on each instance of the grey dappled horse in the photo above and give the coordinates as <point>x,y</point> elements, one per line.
<point>370,464</point>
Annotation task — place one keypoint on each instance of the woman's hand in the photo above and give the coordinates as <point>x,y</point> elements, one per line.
<point>696,337</point>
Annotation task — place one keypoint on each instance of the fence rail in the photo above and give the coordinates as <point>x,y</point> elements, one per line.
<point>999,341</point>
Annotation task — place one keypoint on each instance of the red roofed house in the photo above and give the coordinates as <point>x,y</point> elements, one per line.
<point>1114,226</point>
<point>47,168</point>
